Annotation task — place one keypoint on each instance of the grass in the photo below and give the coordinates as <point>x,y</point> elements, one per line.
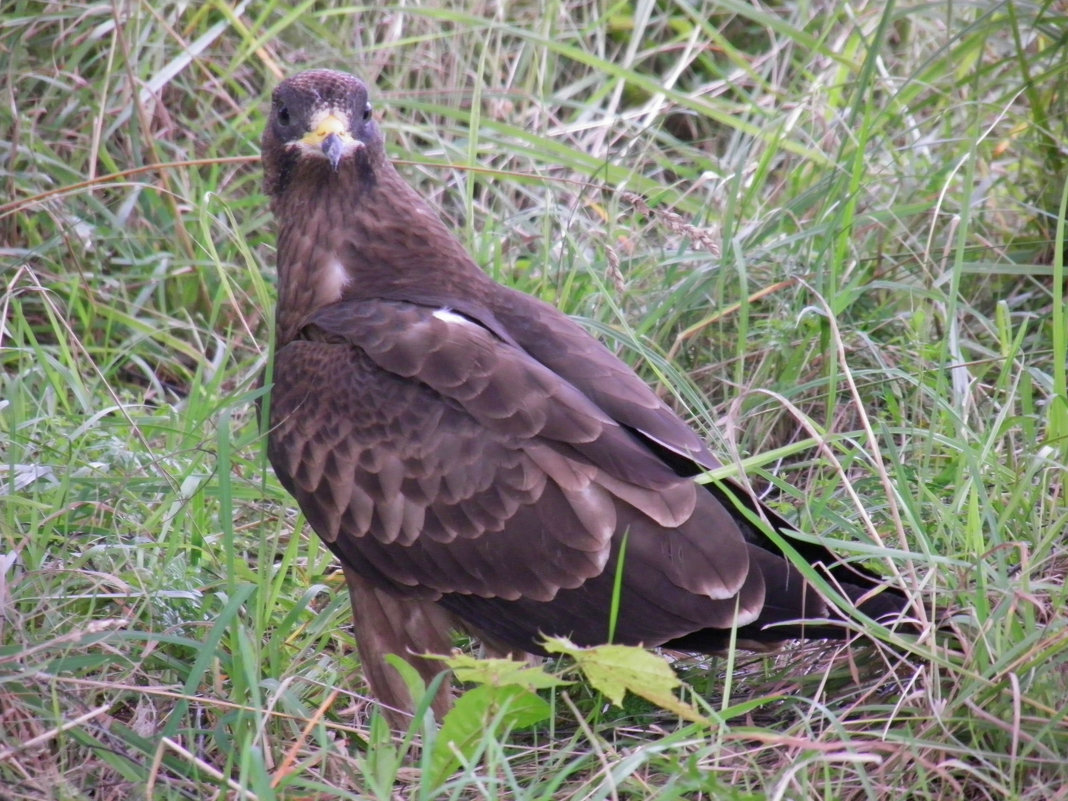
<point>832,233</point>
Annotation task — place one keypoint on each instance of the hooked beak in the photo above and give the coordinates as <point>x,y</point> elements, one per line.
<point>332,137</point>
<point>333,147</point>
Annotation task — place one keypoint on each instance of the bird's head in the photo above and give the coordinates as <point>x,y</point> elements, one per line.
<point>318,118</point>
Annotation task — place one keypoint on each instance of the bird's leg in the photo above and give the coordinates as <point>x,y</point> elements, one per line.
<point>388,624</point>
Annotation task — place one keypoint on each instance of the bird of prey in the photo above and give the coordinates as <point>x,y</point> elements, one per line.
<point>474,458</point>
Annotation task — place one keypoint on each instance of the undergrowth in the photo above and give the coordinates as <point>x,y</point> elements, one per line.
<point>832,234</point>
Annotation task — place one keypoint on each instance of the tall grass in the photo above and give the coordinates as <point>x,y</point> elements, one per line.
<point>832,233</point>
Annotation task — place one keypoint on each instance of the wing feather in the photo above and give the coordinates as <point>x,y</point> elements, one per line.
<point>442,462</point>
<point>567,349</point>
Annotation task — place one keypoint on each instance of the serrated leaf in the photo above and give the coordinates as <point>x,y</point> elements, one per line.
<point>502,673</point>
<point>615,669</point>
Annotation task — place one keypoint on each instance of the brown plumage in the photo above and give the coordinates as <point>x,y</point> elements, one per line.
<point>474,457</point>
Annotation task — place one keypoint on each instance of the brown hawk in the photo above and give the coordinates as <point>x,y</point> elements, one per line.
<point>473,457</point>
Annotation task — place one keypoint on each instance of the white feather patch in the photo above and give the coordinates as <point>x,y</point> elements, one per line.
<point>451,317</point>
<point>333,281</point>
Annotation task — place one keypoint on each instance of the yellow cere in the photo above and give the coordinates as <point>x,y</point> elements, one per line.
<point>329,124</point>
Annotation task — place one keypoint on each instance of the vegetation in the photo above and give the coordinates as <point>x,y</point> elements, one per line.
<point>832,233</point>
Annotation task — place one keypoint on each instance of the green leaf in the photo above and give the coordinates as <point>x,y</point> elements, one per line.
<point>502,672</point>
<point>477,714</point>
<point>416,685</point>
<point>615,669</point>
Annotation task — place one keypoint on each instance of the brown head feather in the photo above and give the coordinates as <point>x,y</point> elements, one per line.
<point>355,229</point>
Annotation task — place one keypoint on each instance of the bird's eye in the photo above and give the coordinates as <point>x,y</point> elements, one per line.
<point>367,112</point>
<point>283,116</point>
